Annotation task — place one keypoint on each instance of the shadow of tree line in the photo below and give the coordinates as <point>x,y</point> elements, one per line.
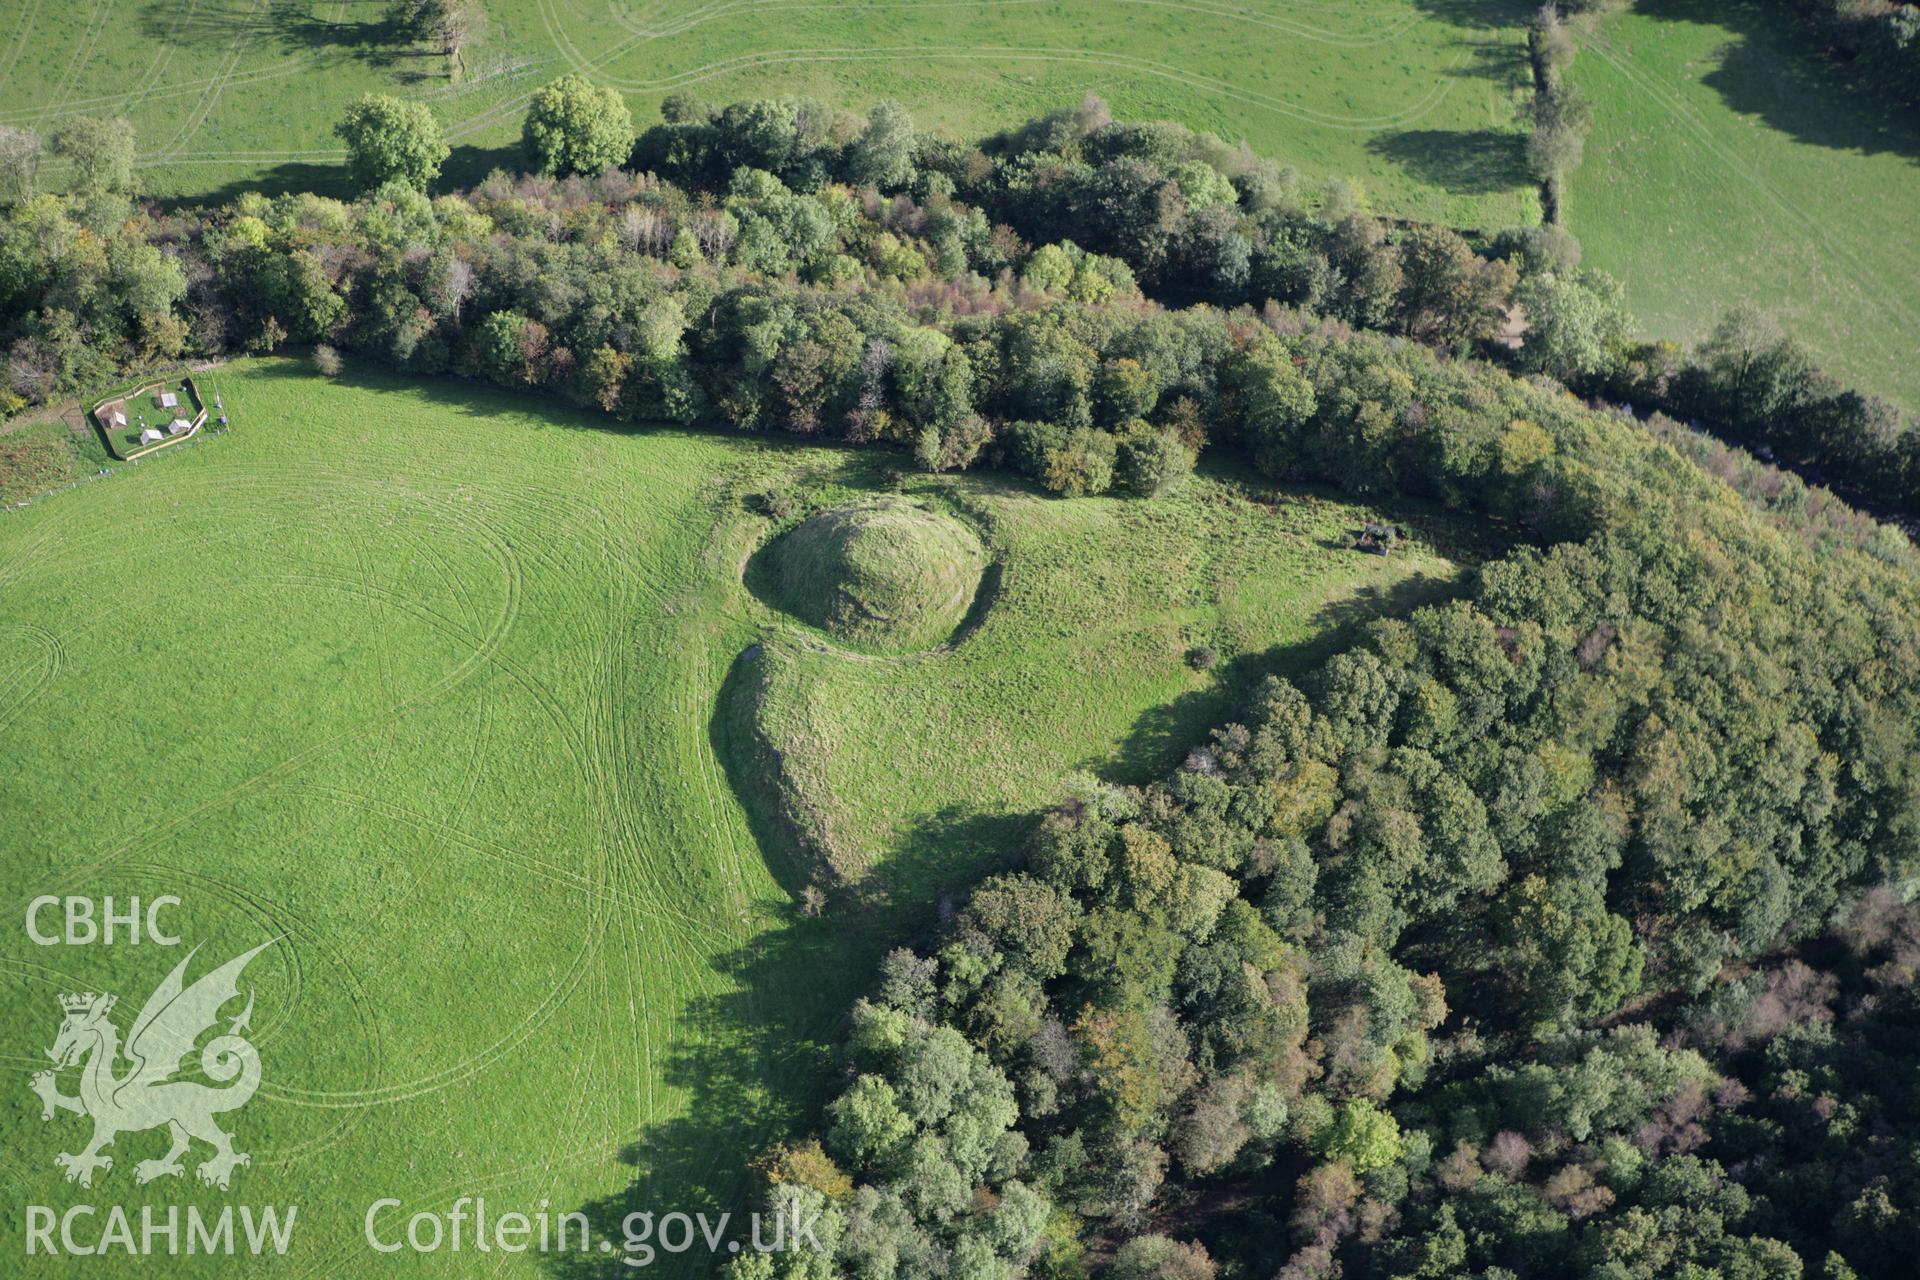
<point>1773,71</point>
<point>369,35</point>
<point>467,165</point>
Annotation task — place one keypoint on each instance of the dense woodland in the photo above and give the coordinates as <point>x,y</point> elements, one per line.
<point>1559,930</point>
<point>1562,929</point>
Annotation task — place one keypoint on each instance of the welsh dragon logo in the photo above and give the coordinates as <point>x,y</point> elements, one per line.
<point>143,1096</point>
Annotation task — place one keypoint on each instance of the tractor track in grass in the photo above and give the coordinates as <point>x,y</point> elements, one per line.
<point>298,943</point>
<point>15,568</point>
<point>628,868</point>
<point>209,99</point>
<point>700,15</point>
<point>22,33</point>
<point>162,58</point>
<point>556,995</point>
<point>56,980</point>
<point>609,47</point>
<point>762,59</point>
<point>766,59</point>
<point>511,569</point>
<point>757,60</point>
<point>74,63</point>
<point>610,640</point>
<point>178,89</point>
<point>578,884</point>
<point>119,103</point>
<point>620,904</point>
<point>25,679</point>
<point>538,1014</point>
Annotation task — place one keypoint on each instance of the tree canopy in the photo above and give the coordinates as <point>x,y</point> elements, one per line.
<point>576,126</point>
<point>100,152</point>
<point>390,140</point>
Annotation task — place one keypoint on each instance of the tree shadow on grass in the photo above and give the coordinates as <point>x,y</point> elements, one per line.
<point>1505,62</point>
<point>320,177</point>
<point>469,398</point>
<point>756,1063</point>
<point>367,34</point>
<point>762,1059</point>
<point>1161,736</point>
<point>466,167</point>
<point>1776,70</point>
<point>1480,15</point>
<point>919,883</point>
<point>1460,161</point>
<point>1493,51</point>
<point>1776,73</point>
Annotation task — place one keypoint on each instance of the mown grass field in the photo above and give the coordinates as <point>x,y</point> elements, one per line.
<point>418,681</point>
<point>1729,163</point>
<point>429,685</point>
<point>1416,97</point>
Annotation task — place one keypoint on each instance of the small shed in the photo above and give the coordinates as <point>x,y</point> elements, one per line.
<point>179,427</point>
<point>151,435</point>
<point>168,400</point>
<point>119,418</point>
<point>1377,538</point>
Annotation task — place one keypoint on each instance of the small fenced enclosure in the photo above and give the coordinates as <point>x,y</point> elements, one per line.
<point>150,417</point>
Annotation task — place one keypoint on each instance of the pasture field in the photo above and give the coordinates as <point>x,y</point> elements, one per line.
<point>432,687</point>
<point>1729,164</point>
<point>416,681</point>
<point>1418,98</point>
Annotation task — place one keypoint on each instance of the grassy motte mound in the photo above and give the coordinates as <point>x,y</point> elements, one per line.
<point>885,574</point>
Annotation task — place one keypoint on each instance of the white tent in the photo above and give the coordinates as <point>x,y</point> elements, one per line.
<point>178,426</point>
<point>168,400</point>
<point>119,418</point>
<point>150,435</point>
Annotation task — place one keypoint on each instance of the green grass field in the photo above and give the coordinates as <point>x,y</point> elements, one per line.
<point>419,682</point>
<point>1416,97</point>
<point>1729,164</point>
<point>434,686</point>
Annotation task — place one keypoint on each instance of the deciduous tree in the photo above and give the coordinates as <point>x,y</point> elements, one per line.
<point>390,140</point>
<point>576,126</point>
